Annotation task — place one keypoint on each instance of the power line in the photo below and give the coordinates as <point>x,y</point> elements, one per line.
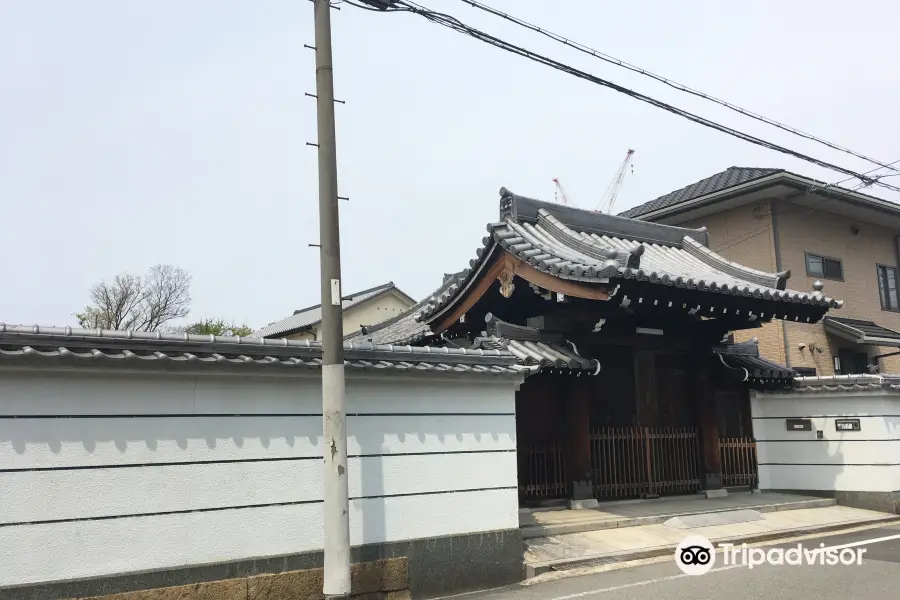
<point>456,25</point>
<point>669,82</point>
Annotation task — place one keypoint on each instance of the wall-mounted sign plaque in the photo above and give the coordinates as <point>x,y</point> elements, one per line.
<point>799,424</point>
<point>846,424</point>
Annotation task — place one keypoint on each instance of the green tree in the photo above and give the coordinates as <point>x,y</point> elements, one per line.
<point>217,327</point>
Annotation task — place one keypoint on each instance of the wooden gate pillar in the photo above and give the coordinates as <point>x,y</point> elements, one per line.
<point>705,399</point>
<point>646,396</point>
<point>578,428</point>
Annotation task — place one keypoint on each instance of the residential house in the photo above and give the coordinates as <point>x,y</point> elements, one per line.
<point>362,308</point>
<point>778,221</point>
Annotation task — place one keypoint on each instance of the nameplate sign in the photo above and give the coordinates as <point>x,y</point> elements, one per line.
<point>799,424</point>
<point>847,425</point>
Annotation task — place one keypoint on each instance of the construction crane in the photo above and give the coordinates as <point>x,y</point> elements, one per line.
<point>561,196</point>
<point>609,198</point>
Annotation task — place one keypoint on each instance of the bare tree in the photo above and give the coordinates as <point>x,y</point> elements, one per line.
<point>139,303</point>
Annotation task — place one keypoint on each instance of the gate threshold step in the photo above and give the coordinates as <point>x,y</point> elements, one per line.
<point>636,513</point>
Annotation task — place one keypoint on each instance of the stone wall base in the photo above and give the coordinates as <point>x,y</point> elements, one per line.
<point>888,502</point>
<point>423,568</point>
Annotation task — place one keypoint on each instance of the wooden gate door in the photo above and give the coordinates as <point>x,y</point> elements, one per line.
<point>739,466</point>
<point>634,462</point>
<point>542,471</point>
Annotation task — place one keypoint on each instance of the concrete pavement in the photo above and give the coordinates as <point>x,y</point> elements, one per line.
<point>633,513</point>
<point>877,578</point>
<point>605,546</point>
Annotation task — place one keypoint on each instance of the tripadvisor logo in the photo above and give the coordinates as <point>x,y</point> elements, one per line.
<point>696,555</point>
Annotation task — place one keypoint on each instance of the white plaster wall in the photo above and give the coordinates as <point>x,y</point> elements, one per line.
<point>864,461</point>
<point>189,470</point>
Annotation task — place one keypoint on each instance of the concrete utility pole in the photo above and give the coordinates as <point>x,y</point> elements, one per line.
<point>337,504</point>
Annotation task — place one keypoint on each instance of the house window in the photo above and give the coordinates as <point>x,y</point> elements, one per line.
<point>850,362</point>
<point>887,287</point>
<point>821,266</point>
<point>805,371</point>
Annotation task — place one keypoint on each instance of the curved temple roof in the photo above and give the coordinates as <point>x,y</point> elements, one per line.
<point>596,248</point>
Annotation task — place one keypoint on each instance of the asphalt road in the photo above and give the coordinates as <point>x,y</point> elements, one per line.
<point>877,578</point>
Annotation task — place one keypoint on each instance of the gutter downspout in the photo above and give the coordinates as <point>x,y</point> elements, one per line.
<point>776,243</point>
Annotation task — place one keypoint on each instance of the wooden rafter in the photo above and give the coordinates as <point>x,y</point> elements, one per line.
<point>504,267</point>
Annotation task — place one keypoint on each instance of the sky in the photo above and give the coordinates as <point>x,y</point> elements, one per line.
<point>134,133</point>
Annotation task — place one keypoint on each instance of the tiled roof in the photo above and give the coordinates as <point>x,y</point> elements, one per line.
<point>306,317</point>
<point>847,383</point>
<point>404,328</point>
<point>861,331</point>
<point>535,348</point>
<point>591,250</point>
<point>746,356</point>
<point>67,346</point>
<point>720,181</point>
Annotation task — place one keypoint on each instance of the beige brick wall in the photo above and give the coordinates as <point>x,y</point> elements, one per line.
<point>803,230</point>
<point>744,234</point>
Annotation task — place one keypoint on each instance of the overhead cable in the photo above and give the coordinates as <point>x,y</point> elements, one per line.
<point>456,25</point>
<point>669,82</point>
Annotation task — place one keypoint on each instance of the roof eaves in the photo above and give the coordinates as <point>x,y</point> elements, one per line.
<point>775,176</point>
<point>658,211</point>
<point>18,337</point>
<point>847,383</point>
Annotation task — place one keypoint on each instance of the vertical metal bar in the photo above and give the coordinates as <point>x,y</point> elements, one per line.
<point>635,461</point>
<point>629,461</point>
<point>560,472</point>
<point>617,461</point>
<point>649,460</point>
<point>595,464</point>
<point>723,453</point>
<point>746,459</point>
<point>679,450</point>
<point>532,470</point>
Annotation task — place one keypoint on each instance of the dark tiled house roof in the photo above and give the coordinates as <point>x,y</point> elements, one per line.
<point>720,181</point>
<point>860,331</point>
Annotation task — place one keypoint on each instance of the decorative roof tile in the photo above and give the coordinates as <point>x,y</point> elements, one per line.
<point>57,345</point>
<point>837,384</point>
<point>533,234</point>
<point>746,356</point>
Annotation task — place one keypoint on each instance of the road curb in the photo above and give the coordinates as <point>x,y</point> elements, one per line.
<point>534,569</point>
